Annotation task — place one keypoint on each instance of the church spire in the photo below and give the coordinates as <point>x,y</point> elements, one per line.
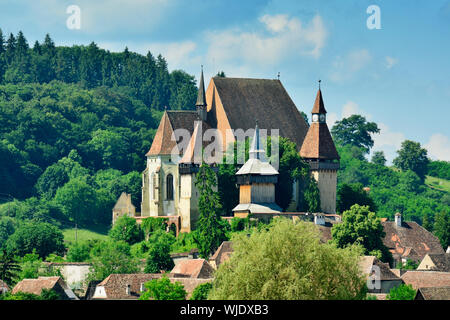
<point>201,99</point>
<point>256,152</point>
<point>319,107</point>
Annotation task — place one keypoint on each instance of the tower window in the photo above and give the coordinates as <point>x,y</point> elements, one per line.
<point>169,187</point>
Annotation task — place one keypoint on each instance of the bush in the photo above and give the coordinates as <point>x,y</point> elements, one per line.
<point>163,289</point>
<point>402,292</point>
<point>201,291</point>
<point>126,229</point>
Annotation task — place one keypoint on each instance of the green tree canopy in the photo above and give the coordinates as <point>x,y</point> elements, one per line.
<point>361,226</point>
<point>287,261</point>
<point>442,228</point>
<point>350,194</point>
<point>355,131</point>
<point>41,236</point>
<point>379,158</point>
<point>412,157</point>
<point>126,228</point>
<point>402,292</point>
<point>163,289</point>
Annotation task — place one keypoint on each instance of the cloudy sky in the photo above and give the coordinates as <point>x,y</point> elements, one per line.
<point>397,76</point>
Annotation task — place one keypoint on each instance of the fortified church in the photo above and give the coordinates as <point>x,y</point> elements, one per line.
<point>229,105</point>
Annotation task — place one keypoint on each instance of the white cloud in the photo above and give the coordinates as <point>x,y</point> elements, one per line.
<point>390,62</point>
<point>345,68</point>
<point>439,147</point>
<point>281,37</point>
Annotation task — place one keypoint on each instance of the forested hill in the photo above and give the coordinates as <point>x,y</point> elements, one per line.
<point>104,106</point>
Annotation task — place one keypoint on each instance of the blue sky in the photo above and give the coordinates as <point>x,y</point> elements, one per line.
<point>397,76</point>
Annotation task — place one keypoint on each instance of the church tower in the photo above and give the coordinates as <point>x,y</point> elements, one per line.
<point>201,99</point>
<point>319,151</point>
<point>256,180</point>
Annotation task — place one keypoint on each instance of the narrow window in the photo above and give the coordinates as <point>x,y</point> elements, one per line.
<point>169,187</point>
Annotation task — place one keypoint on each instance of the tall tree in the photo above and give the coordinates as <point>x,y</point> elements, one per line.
<point>361,226</point>
<point>379,158</point>
<point>9,268</point>
<point>287,261</point>
<point>210,231</point>
<point>442,228</point>
<point>412,156</point>
<point>355,131</point>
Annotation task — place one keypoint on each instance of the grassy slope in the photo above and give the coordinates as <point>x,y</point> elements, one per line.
<point>99,233</point>
<point>438,184</point>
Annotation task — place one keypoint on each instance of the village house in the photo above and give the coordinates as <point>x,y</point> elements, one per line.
<point>435,262</point>
<point>408,240</point>
<point>193,268</point>
<point>370,266</point>
<point>130,286</point>
<point>426,279</point>
<point>74,274</point>
<point>35,286</point>
<point>440,293</point>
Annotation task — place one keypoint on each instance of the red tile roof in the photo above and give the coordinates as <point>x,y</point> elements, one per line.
<point>410,241</point>
<point>194,268</point>
<point>426,279</point>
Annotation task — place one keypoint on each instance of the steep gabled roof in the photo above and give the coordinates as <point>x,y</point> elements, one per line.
<point>245,100</point>
<point>222,253</point>
<point>163,144</point>
<point>410,240</point>
<point>194,268</point>
<point>441,261</point>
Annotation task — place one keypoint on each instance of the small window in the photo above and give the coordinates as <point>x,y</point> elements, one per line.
<point>169,187</point>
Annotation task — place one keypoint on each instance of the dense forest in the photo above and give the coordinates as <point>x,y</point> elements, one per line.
<point>75,124</point>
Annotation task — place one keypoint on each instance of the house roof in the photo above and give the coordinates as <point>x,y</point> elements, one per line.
<point>123,202</point>
<point>35,286</point>
<point>194,150</point>
<point>194,268</point>
<point>426,279</point>
<point>441,261</point>
<point>367,262</point>
<point>434,293</point>
<point>222,253</point>
<point>258,208</point>
<point>410,240</point>
<point>266,100</point>
<point>115,285</point>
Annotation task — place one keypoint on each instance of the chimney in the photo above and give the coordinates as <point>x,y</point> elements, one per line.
<point>128,289</point>
<point>398,219</point>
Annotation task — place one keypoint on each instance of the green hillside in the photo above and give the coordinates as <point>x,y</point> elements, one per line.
<point>438,184</point>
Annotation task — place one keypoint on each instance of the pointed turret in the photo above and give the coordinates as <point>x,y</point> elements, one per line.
<point>319,150</point>
<point>256,151</point>
<point>318,143</point>
<point>201,99</point>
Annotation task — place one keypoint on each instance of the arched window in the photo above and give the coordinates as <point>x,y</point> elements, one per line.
<point>169,187</point>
